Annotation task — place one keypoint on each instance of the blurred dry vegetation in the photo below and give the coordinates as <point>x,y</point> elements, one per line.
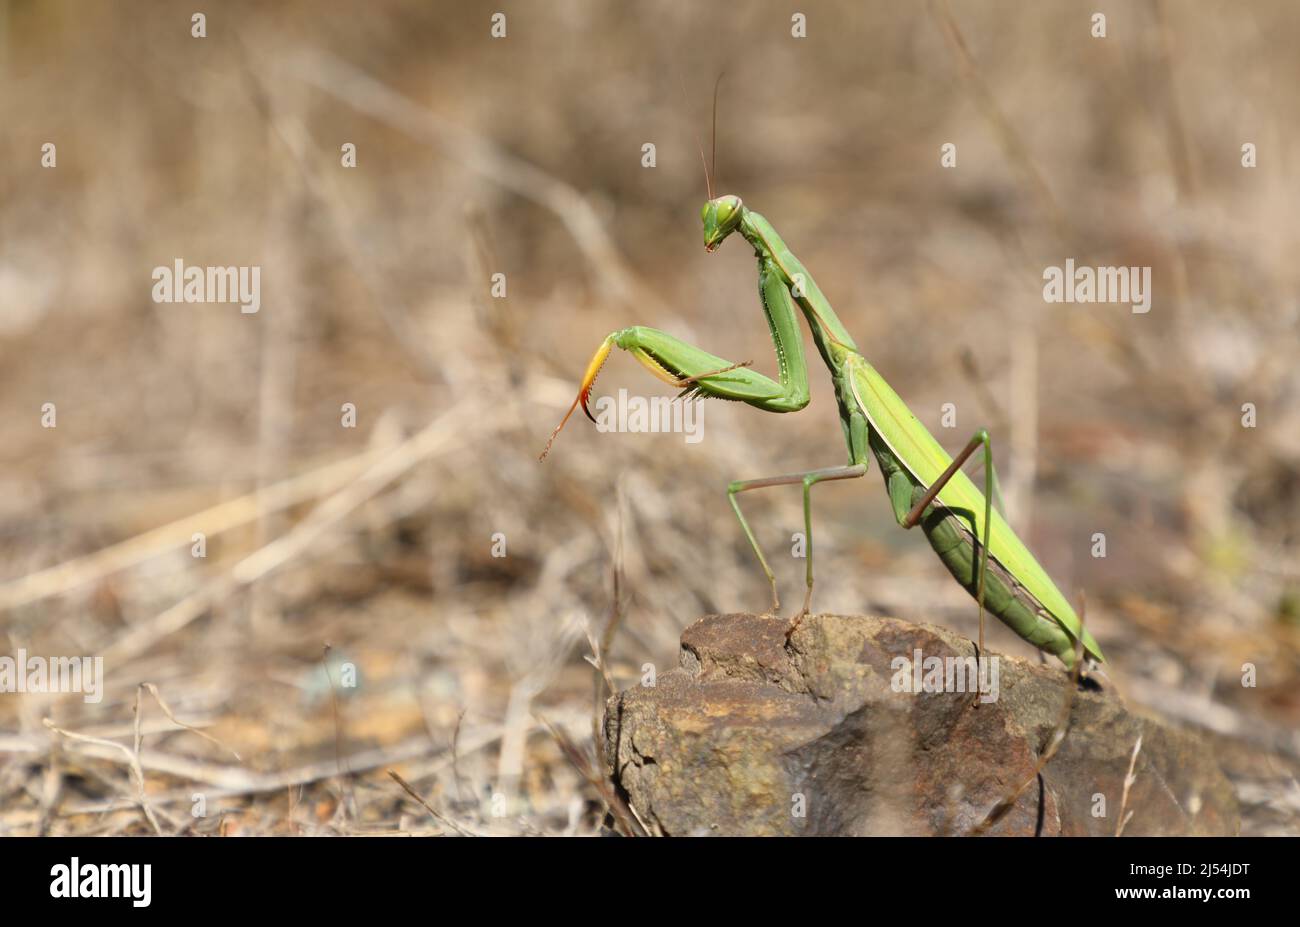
<point>523,156</point>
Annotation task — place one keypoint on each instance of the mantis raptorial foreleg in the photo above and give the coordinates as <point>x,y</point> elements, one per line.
<point>677,362</point>
<point>808,479</point>
<point>684,365</point>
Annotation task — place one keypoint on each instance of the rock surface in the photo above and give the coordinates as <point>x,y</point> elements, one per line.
<point>754,736</point>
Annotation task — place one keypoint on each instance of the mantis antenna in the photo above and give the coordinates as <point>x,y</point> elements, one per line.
<point>708,178</point>
<point>713,154</point>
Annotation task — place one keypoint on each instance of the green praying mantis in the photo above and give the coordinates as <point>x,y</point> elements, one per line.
<point>926,486</point>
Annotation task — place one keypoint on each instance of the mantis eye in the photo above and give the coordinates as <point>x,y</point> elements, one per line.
<point>728,207</point>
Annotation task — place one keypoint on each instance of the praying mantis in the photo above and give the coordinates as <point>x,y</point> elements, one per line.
<point>926,486</point>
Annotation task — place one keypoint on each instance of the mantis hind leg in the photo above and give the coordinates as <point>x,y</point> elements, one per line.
<point>809,479</point>
<point>910,520</point>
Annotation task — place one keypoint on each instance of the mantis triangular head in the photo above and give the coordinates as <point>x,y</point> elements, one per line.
<point>721,216</point>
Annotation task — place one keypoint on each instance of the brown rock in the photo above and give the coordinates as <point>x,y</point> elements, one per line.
<point>754,736</point>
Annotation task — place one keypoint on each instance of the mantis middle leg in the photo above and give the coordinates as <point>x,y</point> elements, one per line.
<point>808,479</point>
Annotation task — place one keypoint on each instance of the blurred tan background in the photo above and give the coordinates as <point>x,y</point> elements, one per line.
<point>523,156</point>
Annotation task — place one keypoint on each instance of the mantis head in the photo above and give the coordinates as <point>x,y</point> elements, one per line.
<point>721,215</point>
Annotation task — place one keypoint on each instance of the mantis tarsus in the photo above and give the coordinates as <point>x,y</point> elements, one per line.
<point>926,486</point>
